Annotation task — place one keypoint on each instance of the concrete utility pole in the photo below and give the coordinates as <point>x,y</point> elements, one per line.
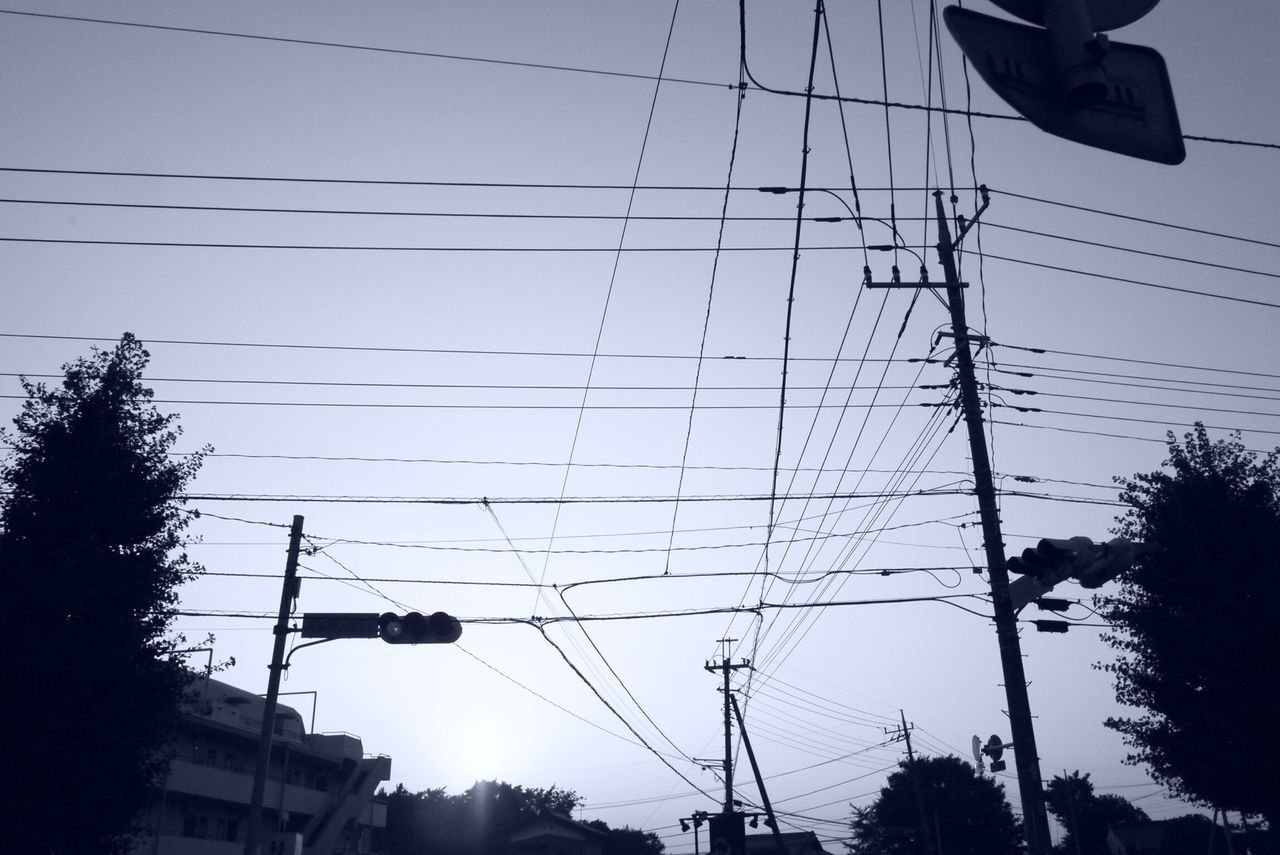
<point>287,594</point>
<point>727,667</point>
<point>904,733</point>
<point>771,819</point>
<point>1035,820</point>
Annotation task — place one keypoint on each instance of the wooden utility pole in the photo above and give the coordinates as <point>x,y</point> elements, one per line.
<point>1035,820</point>
<point>288,592</point>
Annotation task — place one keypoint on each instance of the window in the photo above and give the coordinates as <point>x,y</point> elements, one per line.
<point>227,829</point>
<point>195,825</point>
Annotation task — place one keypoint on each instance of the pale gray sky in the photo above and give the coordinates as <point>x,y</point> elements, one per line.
<point>444,355</point>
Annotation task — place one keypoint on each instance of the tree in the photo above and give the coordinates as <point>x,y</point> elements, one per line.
<point>628,840</point>
<point>1197,641</point>
<point>962,809</point>
<point>1085,816</point>
<point>475,822</point>
<point>91,554</point>
<point>409,817</point>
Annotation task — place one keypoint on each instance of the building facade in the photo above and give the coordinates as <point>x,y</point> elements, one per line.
<point>319,797</point>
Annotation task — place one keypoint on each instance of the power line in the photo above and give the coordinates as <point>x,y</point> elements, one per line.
<point>463,215</point>
<point>653,577</point>
<point>1130,281</point>
<point>423,350</point>
<point>1130,250</point>
<point>316,247</point>
<point>1145,220</point>
<point>356,47</point>
<point>398,182</point>
<point>541,500</point>
<point>436,406</point>
<point>1136,419</point>
<point>541,621</point>
<point>1137,361</point>
<point>560,68</point>
<point>486,387</point>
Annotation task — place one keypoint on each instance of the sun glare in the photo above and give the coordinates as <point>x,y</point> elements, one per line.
<point>482,750</point>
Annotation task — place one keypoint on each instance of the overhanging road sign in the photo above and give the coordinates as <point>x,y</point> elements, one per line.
<point>340,625</point>
<point>1137,117</point>
<point>1104,14</point>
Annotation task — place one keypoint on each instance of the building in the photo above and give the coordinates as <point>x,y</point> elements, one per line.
<point>1193,834</point>
<point>556,834</point>
<point>320,786</point>
<point>795,842</point>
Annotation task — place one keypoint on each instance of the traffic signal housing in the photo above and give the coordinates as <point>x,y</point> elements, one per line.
<point>728,834</point>
<point>1051,560</point>
<point>1079,558</point>
<point>417,628</point>
<point>1091,564</point>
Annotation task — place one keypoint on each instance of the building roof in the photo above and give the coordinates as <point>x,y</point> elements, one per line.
<point>550,823</point>
<point>796,843</point>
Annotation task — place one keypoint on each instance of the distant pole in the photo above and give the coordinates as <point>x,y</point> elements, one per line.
<point>1030,788</point>
<point>915,785</point>
<point>1071,803</point>
<point>727,668</point>
<point>287,593</point>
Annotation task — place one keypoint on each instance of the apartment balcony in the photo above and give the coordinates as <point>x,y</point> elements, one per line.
<point>226,785</point>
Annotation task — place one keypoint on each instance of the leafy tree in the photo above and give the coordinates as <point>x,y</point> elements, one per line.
<point>409,818</point>
<point>629,841</point>
<point>1198,643</point>
<point>478,821</point>
<point>91,555</point>
<point>1085,816</point>
<point>964,810</point>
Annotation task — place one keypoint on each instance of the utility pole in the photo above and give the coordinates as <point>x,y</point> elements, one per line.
<point>771,819</point>
<point>288,592</point>
<point>905,734</point>
<point>727,668</point>
<point>1036,821</point>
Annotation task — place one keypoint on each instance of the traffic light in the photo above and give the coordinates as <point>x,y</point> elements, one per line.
<point>416,628</point>
<point>1107,561</point>
<point>728,834</point>
<point>1051,560</point>
<point>1079,558</point>
<point>995,750</point>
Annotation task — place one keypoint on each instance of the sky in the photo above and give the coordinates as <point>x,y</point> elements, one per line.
<point>487,292</point>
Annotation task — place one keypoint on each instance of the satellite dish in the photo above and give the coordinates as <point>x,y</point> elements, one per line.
<point>977,751</point>
<point>995,747</point>
<point>1104,14</point>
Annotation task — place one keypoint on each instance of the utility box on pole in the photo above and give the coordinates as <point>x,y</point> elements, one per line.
<point>728,834</point>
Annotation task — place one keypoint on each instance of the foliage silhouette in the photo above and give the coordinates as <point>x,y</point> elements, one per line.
<point>91,555</point>
<point>1197,641</point>
<point>481,820</point>
<point>962,810</point>
<point>1086,817</point>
